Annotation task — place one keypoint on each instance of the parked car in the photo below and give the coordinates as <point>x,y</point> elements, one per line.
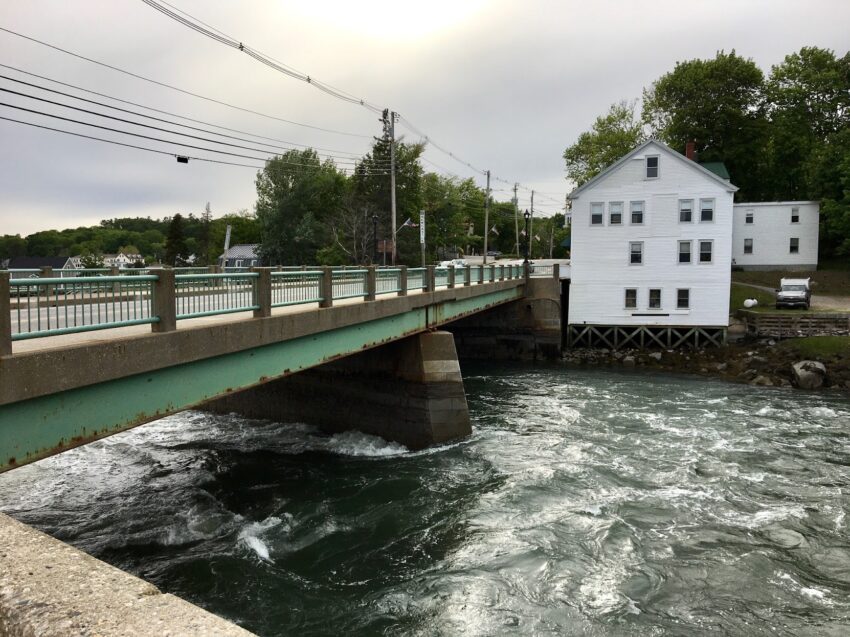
<point>494,253</point>
<point>458,263</point>
<point>794,293</point>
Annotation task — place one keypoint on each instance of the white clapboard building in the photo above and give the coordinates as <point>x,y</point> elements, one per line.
<point>651,253</point>
<point>776,235</point>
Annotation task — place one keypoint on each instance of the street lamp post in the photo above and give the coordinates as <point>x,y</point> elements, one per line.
<point>374,238</point>
<point>527,216</point>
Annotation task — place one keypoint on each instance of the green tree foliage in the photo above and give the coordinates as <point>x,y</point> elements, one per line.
<point>296,195</point>
<point>91,260</point>
<point>12,245</point>
<point>829,176</point>
<point>611,136</point>
<point>720,105</point>
<point>175,244</point>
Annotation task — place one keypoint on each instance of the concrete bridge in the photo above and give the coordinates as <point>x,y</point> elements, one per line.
<point>82,358</point>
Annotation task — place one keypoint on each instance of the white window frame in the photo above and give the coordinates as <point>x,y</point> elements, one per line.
<point>791,249</point>
<point>699,251</point>
<point>626,305</point>
<point>678,304</point>
<point>713,210</point>
<point>660,299</point>
<point>636,243</point>
<point>238,263</point>
<point>745,246</point>
<point>795,212</point>
<point>601,204</point>
<point>681,201</point>
<point>611,213</point>
<point>690,245</point>
<point>632,211</point>
<point>657,166</point>
<point>749,217</point>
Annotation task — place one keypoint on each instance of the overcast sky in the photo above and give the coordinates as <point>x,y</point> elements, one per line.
<point>506,85</point>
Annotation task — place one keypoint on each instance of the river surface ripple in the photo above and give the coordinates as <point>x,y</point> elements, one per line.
<point>585,503</point>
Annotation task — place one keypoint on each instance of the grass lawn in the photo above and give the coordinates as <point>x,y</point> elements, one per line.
<point>824,282</point>
<point>818,346</point>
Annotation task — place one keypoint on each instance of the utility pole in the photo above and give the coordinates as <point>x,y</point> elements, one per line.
<point>486,217</point>
<point>389,119</point>
<point>516,217</point>
<point>531,226</point>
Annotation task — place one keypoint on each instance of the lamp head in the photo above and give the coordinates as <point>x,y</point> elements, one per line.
<point>526,215</point>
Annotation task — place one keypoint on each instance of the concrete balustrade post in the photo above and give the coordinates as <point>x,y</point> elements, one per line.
<point>402,281</point>
<point>165,301</point>
<point>212,269</point>
<point>450,279</point>
<point>492,273</point>
<point>526,271</point>
<point>5,315</point>
<point>430,278</point>
<point>263,292</point>
<point>467,275</point>
<point>326,287</point>
<point>114,270</point>
<point>47,273</point>
<point>480,274</point>
<point>371,283</point>
<point>501,273</point>
<point>556,271</point>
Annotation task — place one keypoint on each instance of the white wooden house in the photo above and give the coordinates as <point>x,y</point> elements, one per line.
<point>651,253</point>
<point>776,235</point>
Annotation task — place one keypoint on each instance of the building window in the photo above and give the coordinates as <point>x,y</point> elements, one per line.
<point>706,209</point>
<point>631,298</point>
<point>684,251</point>
<point>636,252</point>
<point>683,299</point>
<point>238,263</point>
<point>795,215</point>
<point>749,217</point>
<point>705,250</point>
<point>795,245</point>
<point>637,212</point>
<point>596,213</point>
<point>615,213</point>
<point>652,167</point>
<point>748,246</point>
<point>686,210</point>
<point>654,299</point>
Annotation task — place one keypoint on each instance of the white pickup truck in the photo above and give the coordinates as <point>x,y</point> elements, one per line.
<point>794,293</point>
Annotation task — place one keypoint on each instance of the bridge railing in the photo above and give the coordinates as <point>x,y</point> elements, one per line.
<point>46,307</point>
<point>33,306</point>
<point>294,287</point>
<point>198,295</point>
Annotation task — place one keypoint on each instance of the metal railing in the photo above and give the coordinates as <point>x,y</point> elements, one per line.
<point>294,287</point>
<point>32,306</point>
<point>46,307</point>
<point>200,295</point>
<point>348,284</point>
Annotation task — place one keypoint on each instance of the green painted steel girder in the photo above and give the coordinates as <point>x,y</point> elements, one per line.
<point>44,426</point>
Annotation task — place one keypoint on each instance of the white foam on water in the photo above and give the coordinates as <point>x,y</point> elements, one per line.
<point>813,592</point>
<point>354,443</point>
<point>250,536</point>
<point>823,412</point>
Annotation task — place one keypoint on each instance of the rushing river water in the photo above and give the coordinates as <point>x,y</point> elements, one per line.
<point>585,503</point>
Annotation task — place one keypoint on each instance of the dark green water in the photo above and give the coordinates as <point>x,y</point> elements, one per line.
<point>586,503</point>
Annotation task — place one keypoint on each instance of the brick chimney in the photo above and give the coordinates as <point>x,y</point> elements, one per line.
<point>690,150</point>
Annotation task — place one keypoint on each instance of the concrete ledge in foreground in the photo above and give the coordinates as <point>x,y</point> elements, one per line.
<point>51,589</point>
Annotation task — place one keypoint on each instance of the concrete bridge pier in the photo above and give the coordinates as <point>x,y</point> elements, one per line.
<point>409,391</point>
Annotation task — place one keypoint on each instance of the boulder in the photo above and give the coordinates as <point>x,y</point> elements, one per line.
<point>655,356</point>
<point>720,367</point>
<point>628,361</point>
<point>808,374</point>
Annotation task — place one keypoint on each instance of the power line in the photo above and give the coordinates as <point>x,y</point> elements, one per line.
<point>180,90</point>
<point>159,128</point>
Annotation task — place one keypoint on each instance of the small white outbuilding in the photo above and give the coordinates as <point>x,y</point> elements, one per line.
<point>776,235</point>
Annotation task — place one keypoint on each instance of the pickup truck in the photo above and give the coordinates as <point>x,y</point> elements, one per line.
<point>794,293</point>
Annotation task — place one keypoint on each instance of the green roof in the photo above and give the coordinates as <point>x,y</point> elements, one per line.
<point>717,167</point>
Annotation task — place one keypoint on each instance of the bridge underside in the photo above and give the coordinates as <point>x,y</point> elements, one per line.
<point>62,413</point>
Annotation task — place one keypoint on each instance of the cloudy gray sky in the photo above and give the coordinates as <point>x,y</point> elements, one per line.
<point>506,85</point>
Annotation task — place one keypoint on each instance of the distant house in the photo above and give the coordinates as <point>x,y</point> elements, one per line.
<point>244,255</point>
<point>651,252</point>
<point>120,260</point>
<point>776,235</point>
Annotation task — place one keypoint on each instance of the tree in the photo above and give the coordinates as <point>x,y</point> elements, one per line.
<point>720,105</point>
<point>175,244</point>
<point>296,195</point>
<point>204,240</point>
<point>809,101</point>
<point>829,176</point>
<point>12,245</point>
<point>611,136</point>
<point>90,260</point>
